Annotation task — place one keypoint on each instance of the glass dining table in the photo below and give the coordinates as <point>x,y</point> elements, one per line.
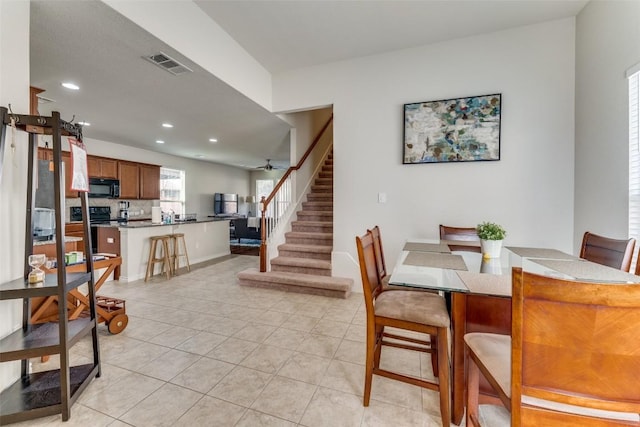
<point>480,289</point>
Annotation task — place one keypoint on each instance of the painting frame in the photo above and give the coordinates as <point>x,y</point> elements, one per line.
<point>454,130</point>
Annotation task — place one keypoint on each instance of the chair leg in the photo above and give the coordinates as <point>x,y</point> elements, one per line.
<point>443,377</point>
<point>368,374</point>
<point>378,346</point>
<point>473,389</point>
<point>150,264</point>
<point>434,354</point>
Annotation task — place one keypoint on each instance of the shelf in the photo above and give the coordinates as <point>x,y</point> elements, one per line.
<point>39,394</point>
<point>20,288</point>
<point>41,340</point>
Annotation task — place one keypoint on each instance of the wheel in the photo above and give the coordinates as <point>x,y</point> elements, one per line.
<point>118,323</point>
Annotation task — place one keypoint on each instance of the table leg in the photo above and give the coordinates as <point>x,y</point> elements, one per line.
<point>458,320</point>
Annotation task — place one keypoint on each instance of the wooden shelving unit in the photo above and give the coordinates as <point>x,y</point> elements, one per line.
<point>35,395</point>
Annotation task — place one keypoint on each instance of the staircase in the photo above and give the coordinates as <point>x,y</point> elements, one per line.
<point>303,263</point>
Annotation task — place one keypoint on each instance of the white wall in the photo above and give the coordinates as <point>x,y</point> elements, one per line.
<point>607,44</point>
<point>185,27</point>
<point>203,179</point>
<point>529,191</point>
<point>14,90</point>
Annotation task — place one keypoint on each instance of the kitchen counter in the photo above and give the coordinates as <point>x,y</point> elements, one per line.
<point>67,239</point>
<point>148,223</point>
<point>206,239</point>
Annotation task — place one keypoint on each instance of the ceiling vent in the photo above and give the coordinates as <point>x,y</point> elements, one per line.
<point>169,64</point>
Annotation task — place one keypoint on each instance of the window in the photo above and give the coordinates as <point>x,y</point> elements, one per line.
<point>172,192</point>
<point>264,187</point>
<point>634,154</point>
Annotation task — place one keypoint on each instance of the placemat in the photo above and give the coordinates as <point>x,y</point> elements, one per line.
<point>539,253</point>
<point>585,270</point>
<point>490,284</point>
<point>426,247</point>
<point>434,259</point>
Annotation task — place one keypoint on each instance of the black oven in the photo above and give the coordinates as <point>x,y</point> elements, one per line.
<point>104,187</point>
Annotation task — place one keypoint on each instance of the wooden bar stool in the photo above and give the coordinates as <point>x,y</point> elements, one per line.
<point>177,240</point>
<point>163,258</point>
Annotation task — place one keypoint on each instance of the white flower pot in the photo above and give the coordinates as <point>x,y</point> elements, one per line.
<point>491,248</point>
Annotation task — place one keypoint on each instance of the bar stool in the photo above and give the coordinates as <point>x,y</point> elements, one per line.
<point>177,240</point>
<point>163,258</point>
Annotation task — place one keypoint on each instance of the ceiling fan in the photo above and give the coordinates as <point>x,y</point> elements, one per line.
<point>269,166</point>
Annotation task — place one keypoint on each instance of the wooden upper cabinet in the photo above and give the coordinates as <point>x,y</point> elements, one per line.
<point>149,181</point>
<point>100,167</point>
<point>129,180</point>
<point>45,154</point>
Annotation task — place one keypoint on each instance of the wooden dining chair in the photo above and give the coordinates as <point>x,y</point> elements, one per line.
<point>610,252</point>
<point>462,234</point>
<point>415,311</point>
<point>572,360</point>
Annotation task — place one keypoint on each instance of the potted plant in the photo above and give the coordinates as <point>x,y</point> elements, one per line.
<point>491,236</point>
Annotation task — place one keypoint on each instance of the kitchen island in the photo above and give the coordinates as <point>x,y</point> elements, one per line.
<point>206,239</point>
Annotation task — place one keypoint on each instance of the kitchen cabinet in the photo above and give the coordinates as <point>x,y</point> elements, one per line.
<point>68,175</point>
<point>149,181</point>
<point>74,229</point>
<point>101,167</point>
<point>129,177</point>
<point>109,240</point>
<point>45,154</point>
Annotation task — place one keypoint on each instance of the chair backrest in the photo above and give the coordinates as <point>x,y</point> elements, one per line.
<point>379,252</point>
<point>371,285</point>
<point>465,234</point>
<point>610,252</point>
<point>573,343</point>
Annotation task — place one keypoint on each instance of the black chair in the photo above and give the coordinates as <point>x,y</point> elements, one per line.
<point>242,231</point>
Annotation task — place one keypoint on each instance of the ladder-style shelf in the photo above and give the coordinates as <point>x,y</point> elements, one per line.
<point>35,395</point>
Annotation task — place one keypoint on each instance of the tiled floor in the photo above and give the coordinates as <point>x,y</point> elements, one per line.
<point>200,350</point>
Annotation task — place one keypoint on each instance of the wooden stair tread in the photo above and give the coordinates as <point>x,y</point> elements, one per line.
<point>309,235</point>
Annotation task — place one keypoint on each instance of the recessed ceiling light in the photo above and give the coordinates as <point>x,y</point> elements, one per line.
<point>213,140</point>
<point>159,141</point>
<point>84,123</point>
<point>71,86</point>
<point>167,125</point>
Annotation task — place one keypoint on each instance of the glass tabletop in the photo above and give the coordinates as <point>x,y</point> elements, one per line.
<point>479,275</point>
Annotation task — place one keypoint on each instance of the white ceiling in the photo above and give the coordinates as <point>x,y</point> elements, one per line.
<point>126,99</point>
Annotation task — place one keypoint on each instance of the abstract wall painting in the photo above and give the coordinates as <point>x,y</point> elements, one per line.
<point>452,130</point>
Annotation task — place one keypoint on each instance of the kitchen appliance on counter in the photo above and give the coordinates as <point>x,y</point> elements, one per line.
<point>124,210</point>
<point>104,188</point>
<point>44,225</point>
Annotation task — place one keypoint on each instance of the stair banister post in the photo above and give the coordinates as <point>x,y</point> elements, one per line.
<point>263,236</point>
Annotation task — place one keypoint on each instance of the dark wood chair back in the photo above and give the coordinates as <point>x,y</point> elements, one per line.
<point>610,252</point>
<point>379,252</point>
<point>573,343</point>
<point>464,234</point>
<point>371,284</point>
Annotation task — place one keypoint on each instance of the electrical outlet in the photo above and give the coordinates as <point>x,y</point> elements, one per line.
<point>382,197</point>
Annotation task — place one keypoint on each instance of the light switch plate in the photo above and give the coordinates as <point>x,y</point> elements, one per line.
<point>382,197</point>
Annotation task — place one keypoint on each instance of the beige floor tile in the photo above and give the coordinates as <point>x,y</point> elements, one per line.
<point>201,343</point>
<point>400,360</point>
<point>380,414</point>
<point>312,310</point>
<point>225,326</point>
<point>356,333</point>
<point>81,416</point>
<point>210,411</point>
<point>340,314</point>
<point>169,364</point>
<point>284,398</point>
<point>305,367</point>
<point>163,407</point>
<point>255,332</point>
<point>331,408</point>
<point>320,345</point>
<point>233,350</point>
<point>396,393</point>
<point>344,376</point>
<point>352,351</point>
<point>299,322</point>
<point>286,338</point>
<point>173,336</point>
<point>257,419</point>
<point>144,329</point>
<point>272,317</point>
<point>134,355</point>
<point>118,394</point>
<point>330,328</point>
<point>241,386</point>
<point>267,358</point>
<point>203,375</point>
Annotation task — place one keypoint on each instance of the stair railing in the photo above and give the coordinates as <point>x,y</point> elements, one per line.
<point>275,205</point>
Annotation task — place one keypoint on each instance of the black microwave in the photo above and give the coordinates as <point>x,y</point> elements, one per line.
<point>104,187</point>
